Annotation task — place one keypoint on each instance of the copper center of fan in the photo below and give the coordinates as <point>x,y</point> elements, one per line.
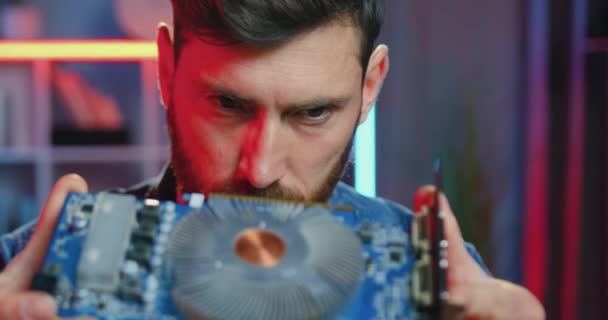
<point>260,247</point>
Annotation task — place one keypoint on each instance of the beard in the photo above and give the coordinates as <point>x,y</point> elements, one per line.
<point>187,182</point>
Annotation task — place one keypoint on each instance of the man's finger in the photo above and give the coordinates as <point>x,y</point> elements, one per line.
<point>27,305</point>
<point>22,268</point>
<point>499,299</point>
<point>458,251</point>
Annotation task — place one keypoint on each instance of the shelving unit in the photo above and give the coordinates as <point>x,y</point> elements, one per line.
<point>29,163</point>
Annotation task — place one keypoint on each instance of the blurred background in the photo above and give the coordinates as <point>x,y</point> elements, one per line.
<point>513,95</point>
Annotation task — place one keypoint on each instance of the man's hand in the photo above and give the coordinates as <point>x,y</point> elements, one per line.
<point>482,296</point>
<point>16,301</point>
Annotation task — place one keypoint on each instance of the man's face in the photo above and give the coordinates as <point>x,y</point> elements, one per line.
<point>275,122</point>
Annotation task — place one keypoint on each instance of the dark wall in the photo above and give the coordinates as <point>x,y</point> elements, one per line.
<point>455,89</point>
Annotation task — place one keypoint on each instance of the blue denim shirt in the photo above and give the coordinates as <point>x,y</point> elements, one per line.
<point>383,293</point>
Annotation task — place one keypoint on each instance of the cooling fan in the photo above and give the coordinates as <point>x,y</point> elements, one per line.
<point>247,259</point>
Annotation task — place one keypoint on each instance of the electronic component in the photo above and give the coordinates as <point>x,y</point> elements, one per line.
<point>396,253</point>
<point>150,212</point>
<point>429,279</point>
<point>322,265</point>
<point>429,286</point>
<point>366,233</point>
<point>106,242</point>
<point>224,257</point>
<point>47,280</point>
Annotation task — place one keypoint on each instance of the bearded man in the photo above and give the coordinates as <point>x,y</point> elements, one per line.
<point>263,98</point>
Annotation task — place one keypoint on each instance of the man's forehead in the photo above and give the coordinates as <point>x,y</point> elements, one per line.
<point>322,60</point>
<point>329,42</point>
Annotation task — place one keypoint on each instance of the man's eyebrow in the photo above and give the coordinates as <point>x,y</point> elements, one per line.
<point>318,103</point>
<point>220,89</point>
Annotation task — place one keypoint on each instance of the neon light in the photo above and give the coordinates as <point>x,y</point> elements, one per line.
<point>365,156</point>
<point>77,50</point>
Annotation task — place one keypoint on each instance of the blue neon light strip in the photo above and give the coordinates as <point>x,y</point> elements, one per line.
<point>365,156</point>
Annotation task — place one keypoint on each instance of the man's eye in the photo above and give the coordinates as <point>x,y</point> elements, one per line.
<point>315,115</point>
<point>228,103</point>
<point>316,112</point>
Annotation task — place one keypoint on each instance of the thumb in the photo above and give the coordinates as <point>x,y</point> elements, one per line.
<point>23,267</point>
<point>27,305</point>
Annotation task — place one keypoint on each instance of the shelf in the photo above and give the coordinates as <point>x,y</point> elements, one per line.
<point>86,154</point>
<point>13,155</point>
<point>101,154</point>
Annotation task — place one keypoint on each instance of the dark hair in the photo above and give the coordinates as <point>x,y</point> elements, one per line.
<point>267,23</point>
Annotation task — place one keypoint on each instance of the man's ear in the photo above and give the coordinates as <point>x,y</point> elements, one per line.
<point>166,63</point>
<point>377,69</point>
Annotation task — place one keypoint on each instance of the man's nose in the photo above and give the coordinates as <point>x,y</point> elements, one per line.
<point>262,154</point>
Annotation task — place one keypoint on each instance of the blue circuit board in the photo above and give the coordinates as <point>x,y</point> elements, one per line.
<point>108,256</point>
<point>139,288</point>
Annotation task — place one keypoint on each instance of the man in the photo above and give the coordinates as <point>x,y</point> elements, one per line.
<point>263,98</point>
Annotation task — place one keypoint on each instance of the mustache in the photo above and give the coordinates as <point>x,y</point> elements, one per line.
<point>274,191</point>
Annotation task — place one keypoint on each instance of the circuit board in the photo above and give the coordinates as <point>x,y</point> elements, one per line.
<point>113,256</point>
<point>105,257</point>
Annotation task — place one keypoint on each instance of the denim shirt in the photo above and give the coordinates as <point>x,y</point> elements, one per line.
<point>383,226</point>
